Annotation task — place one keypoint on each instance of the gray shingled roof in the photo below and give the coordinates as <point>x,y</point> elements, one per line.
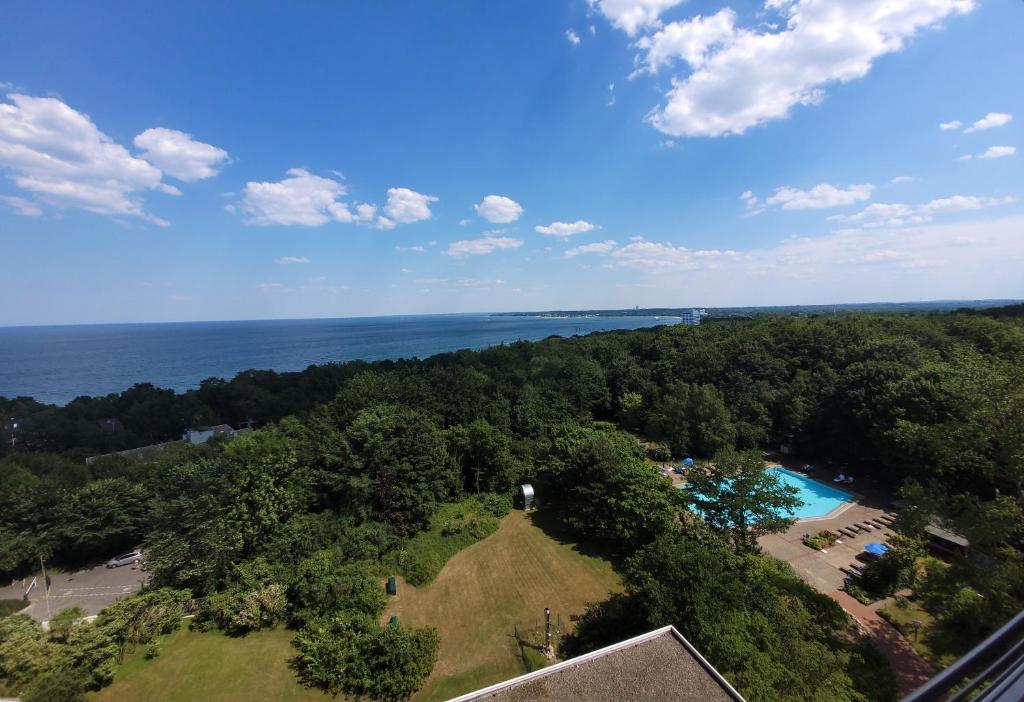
<point>660,665</point>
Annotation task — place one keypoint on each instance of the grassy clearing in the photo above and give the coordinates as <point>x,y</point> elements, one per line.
<point>11,606</point>
<point>489,588</point>
<point>453,528</point>
<point>476,601</point>
<point>213,667</point>
<point>933,642</point>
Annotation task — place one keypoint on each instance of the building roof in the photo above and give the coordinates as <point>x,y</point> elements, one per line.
<point>658,665</point>
<point>947,535</point>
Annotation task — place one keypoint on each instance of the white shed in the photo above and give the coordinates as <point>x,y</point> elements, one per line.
<point>526,493</point>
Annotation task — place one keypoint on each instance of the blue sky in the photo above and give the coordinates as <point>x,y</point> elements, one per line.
<point>193,161</point>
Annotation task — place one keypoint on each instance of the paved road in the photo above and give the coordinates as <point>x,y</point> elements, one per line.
<point>91,589</point>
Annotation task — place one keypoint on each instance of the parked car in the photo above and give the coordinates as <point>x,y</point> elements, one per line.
<point>130,558</point>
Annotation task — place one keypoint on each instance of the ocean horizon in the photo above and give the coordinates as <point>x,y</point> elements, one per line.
<point>57,363</point>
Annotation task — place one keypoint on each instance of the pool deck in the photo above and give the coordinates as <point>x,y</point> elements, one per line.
<point>822,570</point>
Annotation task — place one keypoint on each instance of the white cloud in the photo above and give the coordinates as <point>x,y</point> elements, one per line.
<point>901,215</point>
<point>959,256</point>
<point>572,37</point>
<point>58,154</point>
<point>417,249</point>
<point>819,197</point>
<point>291,260</point>
<point>405,206</point>
<point>600,247</point>
<point>749,76</point>
<point>998,152</point>
<point>499,209</point>
<point>301,199</point>
<point>464,221</point>
<point>990,121</point>
<point>22,206</point>
<point>482,246</point>
<point>179,155</point>
<point>365,212</point>
<point>691,41</point>
<point>902,180</point>
<point>951,126</point>
<point>267,287</point>
<point>406,270</point>
<point>308,200</point>
<point>565,228</point>
<point>633,15</point>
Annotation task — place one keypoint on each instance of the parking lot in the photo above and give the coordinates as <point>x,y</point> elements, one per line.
<point>92,589</point>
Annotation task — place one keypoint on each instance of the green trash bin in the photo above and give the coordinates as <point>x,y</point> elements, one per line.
<point>392,586</point>
<point>394,620</point>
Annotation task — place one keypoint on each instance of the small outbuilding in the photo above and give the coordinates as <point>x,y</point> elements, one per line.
<point>526,495</point>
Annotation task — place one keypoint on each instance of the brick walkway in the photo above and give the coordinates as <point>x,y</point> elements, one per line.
<point>910,668</point>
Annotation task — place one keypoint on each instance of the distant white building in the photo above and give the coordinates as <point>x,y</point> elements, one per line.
<point>200,435</point>
<point>690,317</point>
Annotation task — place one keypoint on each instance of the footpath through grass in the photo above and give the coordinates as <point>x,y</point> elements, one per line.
<point>214,668</point>
<point>489,588</point>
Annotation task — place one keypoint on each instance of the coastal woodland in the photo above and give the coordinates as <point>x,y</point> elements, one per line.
<point>357,471</point>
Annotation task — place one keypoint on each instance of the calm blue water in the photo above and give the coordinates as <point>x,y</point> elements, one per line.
<point>819,499</point>
<point>58,363</point>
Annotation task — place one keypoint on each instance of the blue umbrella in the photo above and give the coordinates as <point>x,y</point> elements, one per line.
<point>876,549</point>
<point>687,461</point>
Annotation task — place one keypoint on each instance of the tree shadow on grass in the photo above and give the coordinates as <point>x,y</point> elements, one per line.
<point>547,520</point>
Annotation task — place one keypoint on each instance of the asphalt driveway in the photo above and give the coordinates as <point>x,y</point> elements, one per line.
<point>92,589</point>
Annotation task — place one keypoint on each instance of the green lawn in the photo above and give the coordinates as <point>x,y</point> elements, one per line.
<point>213,667</point>
<point>488,589</point>
<point>476,602</point>
<point>934,643</point>
<point>11,606</point>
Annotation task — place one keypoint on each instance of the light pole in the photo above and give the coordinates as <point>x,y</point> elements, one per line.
<point>547,628</point>
<point>46,587</point>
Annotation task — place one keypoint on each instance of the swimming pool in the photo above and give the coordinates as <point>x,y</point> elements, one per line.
<point>818,499</point>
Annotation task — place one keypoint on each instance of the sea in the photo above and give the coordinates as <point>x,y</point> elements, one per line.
<point>55,364</point>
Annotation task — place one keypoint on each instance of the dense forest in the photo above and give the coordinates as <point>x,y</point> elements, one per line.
<point>296,522</point>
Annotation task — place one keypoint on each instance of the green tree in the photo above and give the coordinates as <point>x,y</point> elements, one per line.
<point>64,621</point>
<point>739,498</point>
<point>603,488</point>
<point>402,465</point>
<point>326,583</point>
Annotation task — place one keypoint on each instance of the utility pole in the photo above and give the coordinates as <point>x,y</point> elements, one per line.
<point>46,587</point>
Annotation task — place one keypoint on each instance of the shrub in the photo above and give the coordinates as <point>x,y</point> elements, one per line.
<point>62,622</point>
<point>58,684</point>
<point>820,541</point>
<point>152,650</point>
<point>325,583</point>
<point>453,528</point>
<point>237,611</point>
<point>495,504</point>
<point>352,654</point>
<point>24,650</point>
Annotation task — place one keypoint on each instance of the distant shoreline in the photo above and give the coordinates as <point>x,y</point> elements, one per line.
<point>749,311</point>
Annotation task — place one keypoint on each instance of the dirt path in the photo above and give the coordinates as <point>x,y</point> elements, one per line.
<point>910,668</point>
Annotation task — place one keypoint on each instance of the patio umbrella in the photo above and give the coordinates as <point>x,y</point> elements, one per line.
<point>687,461</point>
<point>876,549</point>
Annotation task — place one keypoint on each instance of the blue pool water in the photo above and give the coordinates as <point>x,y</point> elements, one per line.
<point>818,499</point>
